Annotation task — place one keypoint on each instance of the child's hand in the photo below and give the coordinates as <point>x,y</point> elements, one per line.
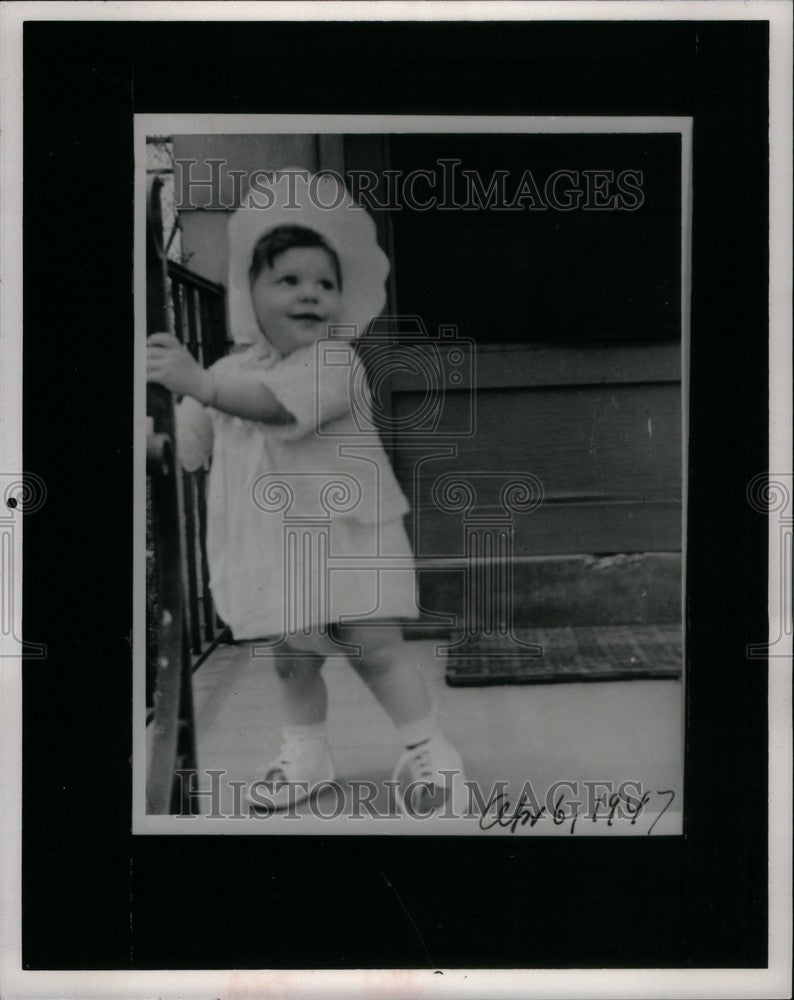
<point>172,365</point>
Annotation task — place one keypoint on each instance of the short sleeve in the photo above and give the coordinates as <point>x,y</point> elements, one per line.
<point>193,434</point>
<point>313,393</point>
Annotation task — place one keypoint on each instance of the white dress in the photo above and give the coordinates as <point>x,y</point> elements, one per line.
<point>304,520</point>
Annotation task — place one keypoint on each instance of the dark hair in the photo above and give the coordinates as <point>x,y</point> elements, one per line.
<point>284,238</point>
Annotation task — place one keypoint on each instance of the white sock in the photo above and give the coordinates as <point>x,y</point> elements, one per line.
<point>418,731</point>
<point>316,731</point>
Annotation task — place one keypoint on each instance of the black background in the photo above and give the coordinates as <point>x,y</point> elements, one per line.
<point>95,897</point>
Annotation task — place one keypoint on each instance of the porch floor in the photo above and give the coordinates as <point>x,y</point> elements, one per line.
<point>611,731</point>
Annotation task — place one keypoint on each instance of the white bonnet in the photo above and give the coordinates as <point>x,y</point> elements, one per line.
<point>294,197</point>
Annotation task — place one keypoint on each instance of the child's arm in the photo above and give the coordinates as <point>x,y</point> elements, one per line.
<point>239,393</point>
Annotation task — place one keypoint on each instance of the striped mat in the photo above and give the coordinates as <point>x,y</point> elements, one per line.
<point>600,653</point>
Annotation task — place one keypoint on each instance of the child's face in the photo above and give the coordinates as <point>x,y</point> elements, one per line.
<point>296,298</point>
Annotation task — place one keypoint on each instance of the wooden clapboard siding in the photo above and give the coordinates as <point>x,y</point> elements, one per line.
<point>639,589</point>
<point>600,428</point>
<point>562,529</point>
<point>585,443</point>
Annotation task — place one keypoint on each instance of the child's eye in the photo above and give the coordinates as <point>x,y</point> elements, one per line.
<point>327,284</point>
<point>288,279</point>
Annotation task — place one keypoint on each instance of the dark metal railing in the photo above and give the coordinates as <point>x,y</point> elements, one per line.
<point>181,624</point>
<point>198,313</point>
<point>172,744</point>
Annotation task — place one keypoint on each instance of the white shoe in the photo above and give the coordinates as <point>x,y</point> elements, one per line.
<point>296,773</point>
<point>430,776</point>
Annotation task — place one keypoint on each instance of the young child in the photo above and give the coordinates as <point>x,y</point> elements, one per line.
<point>280,426</point>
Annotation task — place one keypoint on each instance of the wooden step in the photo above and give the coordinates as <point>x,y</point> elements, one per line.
<point>564,591</point>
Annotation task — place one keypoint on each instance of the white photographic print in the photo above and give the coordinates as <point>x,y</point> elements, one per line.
<point>423,477</point>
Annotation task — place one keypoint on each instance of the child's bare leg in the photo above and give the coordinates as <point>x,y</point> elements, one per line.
<point>302,687</point>
<point>391,670</point>
<point>390,667</point>
<point>304,759</point>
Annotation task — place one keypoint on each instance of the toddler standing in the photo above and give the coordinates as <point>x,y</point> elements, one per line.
<point>284,440</point>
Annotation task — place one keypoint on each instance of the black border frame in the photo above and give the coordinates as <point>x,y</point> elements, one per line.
<point>94,897</point>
